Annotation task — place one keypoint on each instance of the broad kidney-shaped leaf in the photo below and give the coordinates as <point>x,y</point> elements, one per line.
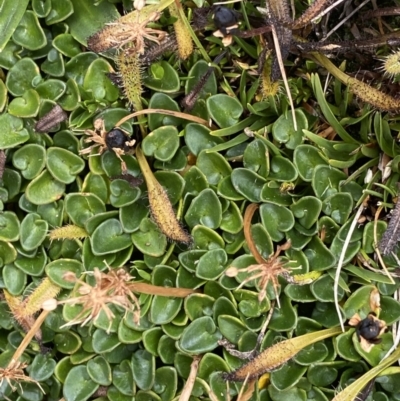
<point>78,385</point>
<point>224,110</point>
<point>205,209</point>
<point>162,143</point>
<point>109,237</point>
<point>12,131</point>
<point>63,164</point>
<point>44,189</point>
<point>200,336</point>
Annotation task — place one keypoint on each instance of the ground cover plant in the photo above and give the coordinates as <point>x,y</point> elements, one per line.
<point>199,201</point>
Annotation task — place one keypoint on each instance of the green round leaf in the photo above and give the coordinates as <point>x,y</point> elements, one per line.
<point>288,375</point>
<point>97,82</point>
<point>78,385</point>
<point>25,106</point>
<point>247,183</point>
<point>9,226</point>
<point>148,239</point>
<point>67,342</point>
<point>200,336</point>
<point>29,33</point>
<point>283,129</point>
<point>122,193</point>
<point>44,189</point>
<point>162,101</point>
<point>224,110</point>
<point>276,219</point>
<point>30,159</point>
<point>143,366</point>
<point>205,209</point>
<point>12,131</point>
<point>14,279</point>
<point>282,170</point>
<point>109,237</point>
<point>198,138</point>
<point>57,268</point>
<point>59,11</point>
<point>33,231</point>
<point>162,143</point>
<point>162,77</point>
<point>99,371</point>
<point>20,77</point>
<point>63,165</point>
<point>42,367</point>
<point>66,45</point>
<point>81,207</point>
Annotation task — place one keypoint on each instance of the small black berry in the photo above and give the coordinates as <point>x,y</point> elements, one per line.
<point>224,17</point>
<point>115,139</point>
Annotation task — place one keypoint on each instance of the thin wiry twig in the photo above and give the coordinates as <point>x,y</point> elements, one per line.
<point>340,264</point>
<point>345,19</point>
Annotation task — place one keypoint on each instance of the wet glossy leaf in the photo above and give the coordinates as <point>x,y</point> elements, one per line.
<point>44,189</point>
<point>162,143</point>
<point>162,77</point>
<point>13,132</point>
<point>20,77</point>
<point>109,237</point>
<point>224,110</point>
<point>205,209</point>
<point>200,336</point>
<point>78,385</point>
<point>29,33</point>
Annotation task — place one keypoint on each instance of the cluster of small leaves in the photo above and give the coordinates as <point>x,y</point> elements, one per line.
<point>64,213</point>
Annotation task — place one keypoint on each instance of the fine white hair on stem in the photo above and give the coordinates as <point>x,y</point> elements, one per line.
<point>340,263</point>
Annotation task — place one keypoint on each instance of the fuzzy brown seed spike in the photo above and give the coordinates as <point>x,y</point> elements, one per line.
<point>185,43</point>
<point>131,76</point>
<point>373,96</point>
<point>160,205</point>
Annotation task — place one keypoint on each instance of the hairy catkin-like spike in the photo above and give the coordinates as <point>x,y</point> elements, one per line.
<point>185,43</point>
<point>129,67</point>
<point>373,96</point>
<point>68,232</point>
<point>276,355</point>
<point>367,93</point>
<point>160,205</point>
<point>33,303</point>
<point>267,86</point>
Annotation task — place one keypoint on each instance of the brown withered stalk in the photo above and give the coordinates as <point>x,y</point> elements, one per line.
<point>265,270</point>
<point>114,287</point>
